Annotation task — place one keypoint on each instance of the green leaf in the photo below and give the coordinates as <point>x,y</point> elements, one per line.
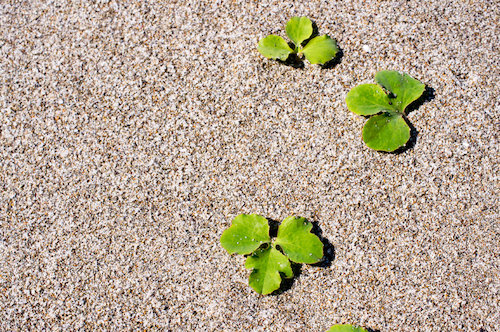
<point>299,29</point>
<point>368,99</point>
<point>297,242</point>
<point>267,264</point>
<point>386,132</point>
<point>346,328</point>
<point>320,49</point>
<point>247,233</point>
<point>274,47</point>
<point>405,88</point>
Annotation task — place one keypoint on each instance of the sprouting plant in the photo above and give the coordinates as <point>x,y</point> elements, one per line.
<point>269,258</point>
<point>346,328</point>
<point>318,50</point>
<point>387,130</point>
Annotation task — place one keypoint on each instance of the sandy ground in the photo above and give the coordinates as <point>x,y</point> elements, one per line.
<point>132,133</point>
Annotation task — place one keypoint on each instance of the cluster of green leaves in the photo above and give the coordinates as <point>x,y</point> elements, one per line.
<point>387,129</point>
<point>318,50</point>
<point>346,328</point>
<point>269,258</point>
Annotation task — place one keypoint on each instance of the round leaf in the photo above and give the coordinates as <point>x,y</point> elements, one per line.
<point>246,234</point>
<point>299,29</point>
<point>386,132</point>
<point>297,242</point>
<point>346,328</point>
<point>405,88</point>
<point>320,49</point>
<point>274,47</point>
<point>368,99</point>
<point>267,264</point>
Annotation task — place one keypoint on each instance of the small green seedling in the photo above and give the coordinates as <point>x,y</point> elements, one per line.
<point>318,50</point>
<point>346,328</point>
<point>249,235</point>
<point>387,130</point>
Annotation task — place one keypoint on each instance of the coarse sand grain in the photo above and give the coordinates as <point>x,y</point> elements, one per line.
<point>133,132</point>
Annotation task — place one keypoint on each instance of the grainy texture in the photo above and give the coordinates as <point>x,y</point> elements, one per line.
<point>133,132</point>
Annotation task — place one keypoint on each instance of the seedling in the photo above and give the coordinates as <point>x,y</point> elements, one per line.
<point>346,328</point>
<point>270,258</point>
<point>387,130</point>
<point>318,50</point>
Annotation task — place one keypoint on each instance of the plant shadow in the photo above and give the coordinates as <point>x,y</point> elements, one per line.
<point>328,248</point>
<point>293,60</point>
<point>314,34</point>
<point>326,261</point>
<point>428,95</point>
<point>287,283</point>
<point>273,227</point>
<point>335,61</point>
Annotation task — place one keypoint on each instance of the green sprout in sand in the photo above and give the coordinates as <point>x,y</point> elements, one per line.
<point>346,328</point>
<point>386,102</point>
<point>269,258</point>
<point>317,50</point>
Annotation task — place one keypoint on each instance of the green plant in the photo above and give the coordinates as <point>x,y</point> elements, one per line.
<point>318,50</point>
<point>346,328</point>
<point>387,129</point>
<point>269,258</point>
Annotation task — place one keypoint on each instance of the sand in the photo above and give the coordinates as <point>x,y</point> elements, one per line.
<point>132,133</point>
